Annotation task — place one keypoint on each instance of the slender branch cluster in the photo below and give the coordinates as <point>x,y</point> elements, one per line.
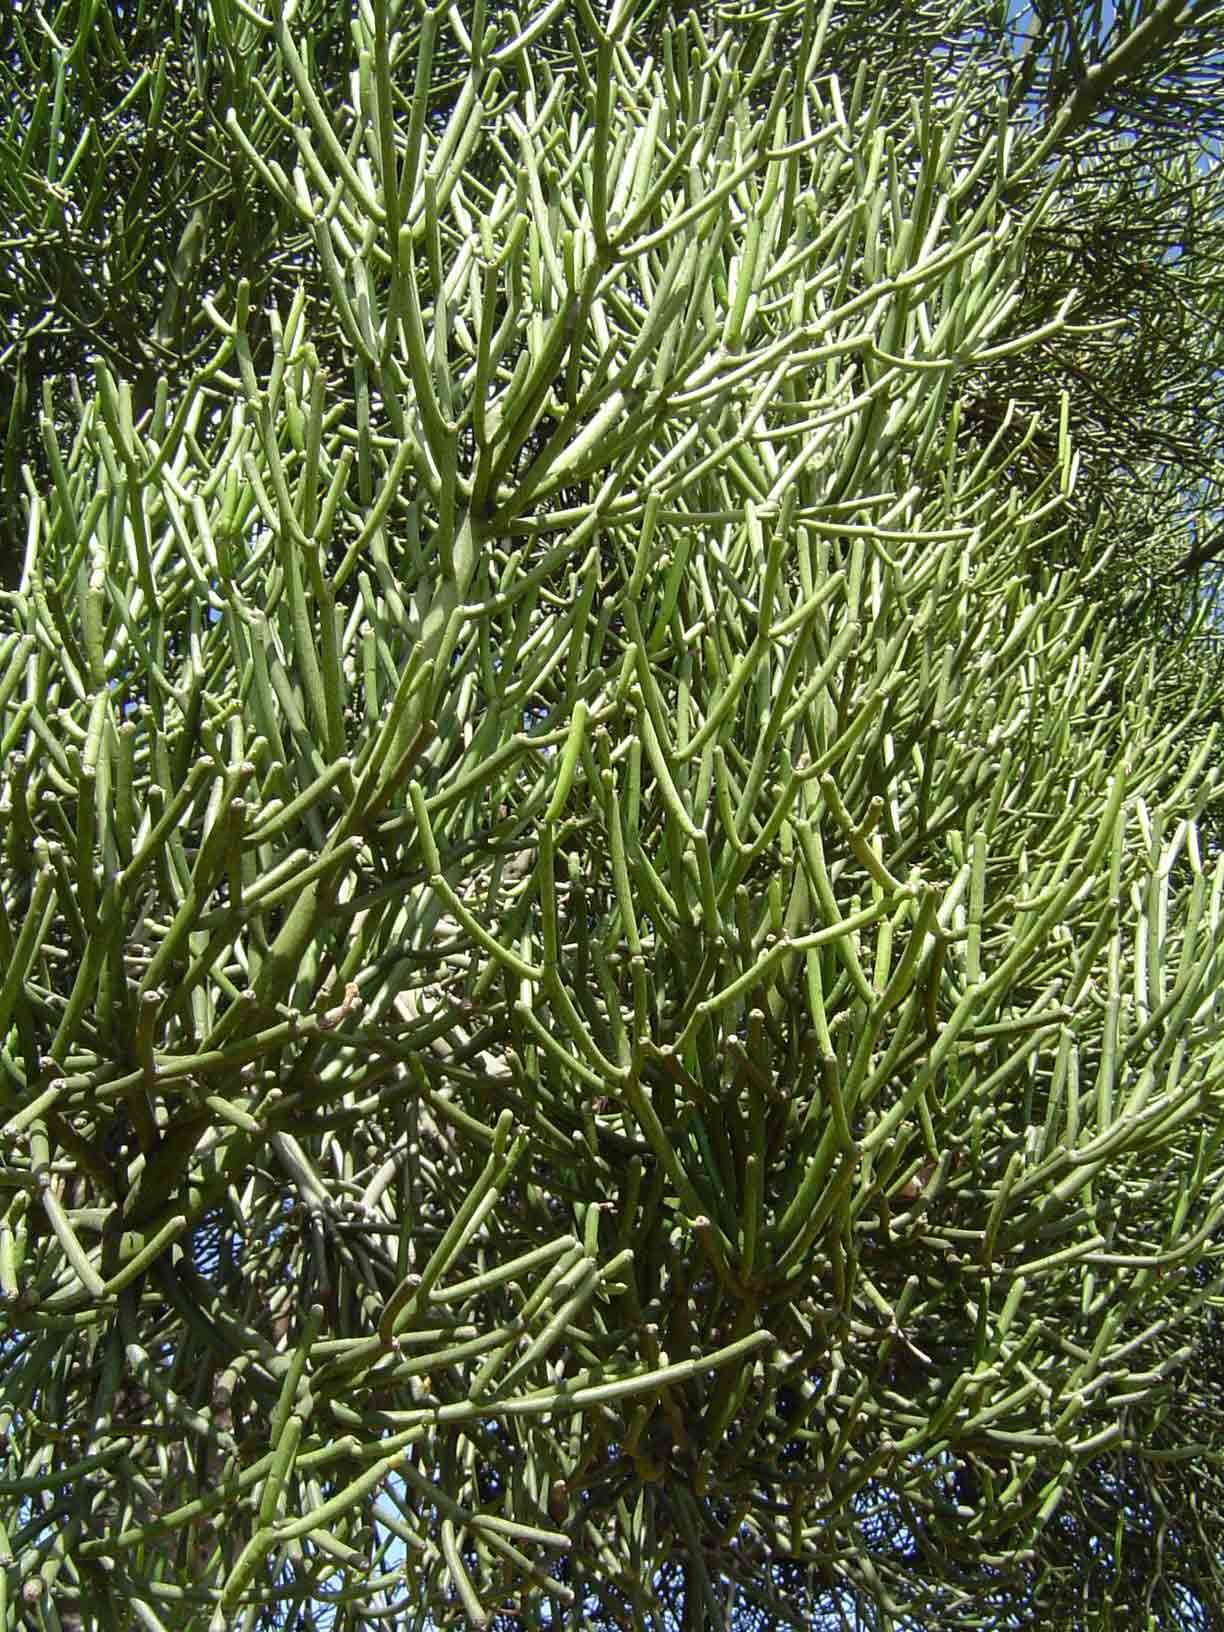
<point>607,1005</point>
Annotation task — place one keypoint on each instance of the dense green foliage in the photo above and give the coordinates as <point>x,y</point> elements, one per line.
<point>612,992</point>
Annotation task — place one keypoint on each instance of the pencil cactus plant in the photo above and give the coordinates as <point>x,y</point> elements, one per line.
<point>611,1004</point>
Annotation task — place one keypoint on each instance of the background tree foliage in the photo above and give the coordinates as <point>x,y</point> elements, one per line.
<point>611,919</point>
